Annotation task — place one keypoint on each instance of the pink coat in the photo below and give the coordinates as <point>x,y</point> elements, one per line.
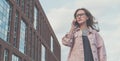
<point>74,41</point>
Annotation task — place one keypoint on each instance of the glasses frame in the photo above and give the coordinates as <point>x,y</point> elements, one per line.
<point>81,15</point>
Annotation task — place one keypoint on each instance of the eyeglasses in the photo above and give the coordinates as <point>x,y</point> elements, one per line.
<point>81,15</point>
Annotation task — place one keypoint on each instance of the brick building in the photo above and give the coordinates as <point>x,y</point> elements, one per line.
<point>25,33</point>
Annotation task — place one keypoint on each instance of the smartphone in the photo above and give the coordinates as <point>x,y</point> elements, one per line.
<point>76,24</point>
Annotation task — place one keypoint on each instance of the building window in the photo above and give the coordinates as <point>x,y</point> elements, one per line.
<point>17,2</point>
<point>33,47</point>
<point>5,55</point>
<point>15,58</point>
<point>15,29</point>
<point>27,8</point>
<point>31,10</point>
<point>22,37</point>
<point>23,5</point>
<point>35,17</point>
<point>5,16</point>
<point>43,53</point>
<point>24,60</point>
<point>30,42</point>
<point>52,47</point>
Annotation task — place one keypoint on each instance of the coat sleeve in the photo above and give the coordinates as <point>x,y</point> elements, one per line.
<point>101,48</point>
<point>67,40</point>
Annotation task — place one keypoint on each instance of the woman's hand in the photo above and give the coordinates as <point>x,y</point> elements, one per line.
<point>73,25</point>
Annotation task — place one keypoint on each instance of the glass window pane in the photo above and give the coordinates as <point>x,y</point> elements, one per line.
<point>23,5</point>
<point>52,44</point>
<point>17,2</point>
<point>35,17</point>
<point>43,53</point>
<point>5,55</point>
<point>5,8</point>
<point>15,28</point>
<point>22,37</point>
<point>15,58</point>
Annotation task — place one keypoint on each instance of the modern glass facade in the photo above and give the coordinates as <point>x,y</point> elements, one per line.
<point>5,14</point>
<point>22,37</point>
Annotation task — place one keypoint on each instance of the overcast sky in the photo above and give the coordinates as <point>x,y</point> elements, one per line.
<point>107,13</point>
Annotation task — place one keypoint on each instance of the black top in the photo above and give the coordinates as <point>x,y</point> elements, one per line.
<point>87,49</point>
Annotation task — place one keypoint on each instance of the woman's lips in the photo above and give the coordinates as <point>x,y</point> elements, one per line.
<point>79,21</point>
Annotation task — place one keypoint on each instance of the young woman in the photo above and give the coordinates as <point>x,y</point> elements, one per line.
<point>85,42</point>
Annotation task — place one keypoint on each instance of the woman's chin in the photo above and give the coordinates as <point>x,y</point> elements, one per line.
<point>80,22</point>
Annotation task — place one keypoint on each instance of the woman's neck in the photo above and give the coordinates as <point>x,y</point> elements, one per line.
<point>83,26</point>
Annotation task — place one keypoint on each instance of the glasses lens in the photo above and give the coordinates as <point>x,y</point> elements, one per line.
<point>80,15</point>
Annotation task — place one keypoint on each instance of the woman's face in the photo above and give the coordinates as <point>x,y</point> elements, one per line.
<point>81,17</point>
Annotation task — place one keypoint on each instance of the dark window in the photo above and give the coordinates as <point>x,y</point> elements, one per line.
<point>17,2</point>
<point>30,42</point>
<point>24,60</point>
<point>31,11</point>
<point>15,29</point>
<point>27,8</point>
<point>33,47</point>
<point>23,5</point>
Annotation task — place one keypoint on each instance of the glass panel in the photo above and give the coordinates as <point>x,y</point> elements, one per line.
<point>27,8</point>
<point>52,44</point>
<point>15,58</point>
<point>23,5</point>
<point>5,55</point>
<point>17,2</point>
<point>35,17</point>
<point>43,53</point>
<point>22,37</point>
<point>5,9</point>
<point>15,29</point>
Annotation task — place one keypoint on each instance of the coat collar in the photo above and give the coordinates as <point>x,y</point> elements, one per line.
<point>90,30</point>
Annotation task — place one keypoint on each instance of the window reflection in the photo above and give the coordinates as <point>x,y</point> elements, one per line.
<point>5,55</point>
<point>52,44</point>
<point>15,29</point>
<point>22,37</point>
<point>35,17</point>
<point>5,9</point>
<point>43,53</point>
<point>22,5</point>
<point>15,58</point>
<point>17,2</point>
